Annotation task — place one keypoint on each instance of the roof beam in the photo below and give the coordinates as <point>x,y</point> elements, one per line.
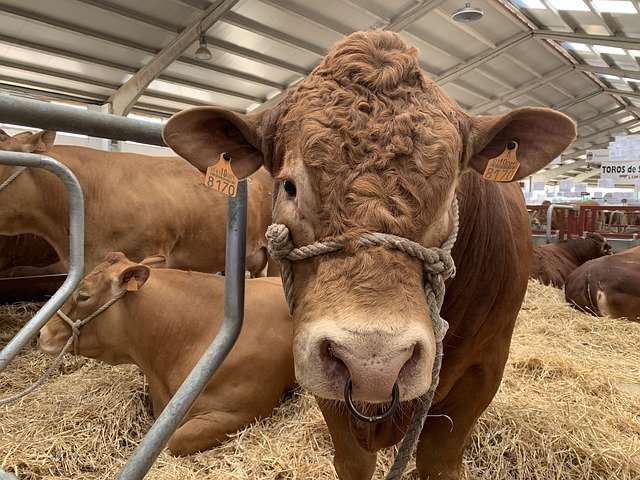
<point>522,89</point>
<point>608,71</point>
<point>554,172</point>
<point>611,41</point>
<point>586,175</point>
<point>121,43</point>
<point>122,100</point>
<point>412,14</point>
<point>574,101</point>
<point>622,93</point>
<point>481,58</point>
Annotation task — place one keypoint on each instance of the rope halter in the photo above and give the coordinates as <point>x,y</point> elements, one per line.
<point>75,325</point>
<point>437,265</point>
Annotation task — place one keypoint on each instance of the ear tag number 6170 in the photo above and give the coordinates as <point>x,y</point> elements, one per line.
<point>221,178</point>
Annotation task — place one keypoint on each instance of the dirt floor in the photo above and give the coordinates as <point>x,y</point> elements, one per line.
<point>568,408</point>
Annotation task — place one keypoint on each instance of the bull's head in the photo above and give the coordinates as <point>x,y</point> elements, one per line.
<point>365,143</point>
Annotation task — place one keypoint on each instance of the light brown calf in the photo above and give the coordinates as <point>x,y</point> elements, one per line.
<point>164,327</point>
<point>137,204</point>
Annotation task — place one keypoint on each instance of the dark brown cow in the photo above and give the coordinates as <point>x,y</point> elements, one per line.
<point>552,264</point>
<point>607,286</point>
<point>367,143</point>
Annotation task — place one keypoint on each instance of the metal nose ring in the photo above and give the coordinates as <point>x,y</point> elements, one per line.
<point>395,401</point>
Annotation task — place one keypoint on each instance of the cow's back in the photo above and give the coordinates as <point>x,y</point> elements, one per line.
<point>190,306</point>
<point>145,205</point>
<point>607,286</point>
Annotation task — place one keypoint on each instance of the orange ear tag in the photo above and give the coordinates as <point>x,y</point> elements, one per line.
<point>132,285</point>
<point>221,178</point>
<point>503,167</point>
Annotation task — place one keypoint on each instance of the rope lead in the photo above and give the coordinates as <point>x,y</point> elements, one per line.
<point>437,265</point>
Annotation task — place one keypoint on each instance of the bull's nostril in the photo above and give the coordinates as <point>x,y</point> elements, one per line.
<point>332,363</point>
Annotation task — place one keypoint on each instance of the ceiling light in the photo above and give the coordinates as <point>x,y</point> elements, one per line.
<point>202,53</point>
<point>609,50</point>
<point>467,14</point>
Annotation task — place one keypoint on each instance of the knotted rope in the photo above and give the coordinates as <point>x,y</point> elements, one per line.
<point>73,339</point>
<point>13,176</point>
<point>437,265</point>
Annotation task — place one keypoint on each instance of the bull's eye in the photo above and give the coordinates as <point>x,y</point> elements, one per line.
<point>290,188</point>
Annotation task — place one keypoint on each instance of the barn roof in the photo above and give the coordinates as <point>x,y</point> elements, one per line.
<point>579,56</point>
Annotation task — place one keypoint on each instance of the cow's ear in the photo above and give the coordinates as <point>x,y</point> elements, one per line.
<point>132,278</point>
<point>28,142</point>
<point>155,261</point>
<point>541,134</point>
<point>201,134</point>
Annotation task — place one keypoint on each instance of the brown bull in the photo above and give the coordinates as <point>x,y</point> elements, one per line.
<point>367,143</point>
<point>138,204</point>
<point>165,323</point>
<point>607,286</point>
<point>552,264</point>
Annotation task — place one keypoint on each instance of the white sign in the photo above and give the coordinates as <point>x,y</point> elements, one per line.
<point>623,172</point>
<point>597,156</point>
<point>538,186</point>
<point>605,183</point>
<point>580,187</point>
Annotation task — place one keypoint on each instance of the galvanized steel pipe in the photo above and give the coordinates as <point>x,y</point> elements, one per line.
<point>550,216</point>
<point>49,116</point>
<point>171,417</point>
<point>76,248</point>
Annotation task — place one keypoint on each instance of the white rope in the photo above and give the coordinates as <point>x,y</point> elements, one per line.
<point>13,176</point>
<point>437,265</point>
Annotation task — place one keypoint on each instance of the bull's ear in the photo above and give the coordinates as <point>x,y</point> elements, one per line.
<point>132,278</point>
<point>541,133</point>
<point>155,261</point>
<point>201,134</point>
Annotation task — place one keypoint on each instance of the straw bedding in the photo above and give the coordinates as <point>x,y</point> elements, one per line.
<point>568,408</point>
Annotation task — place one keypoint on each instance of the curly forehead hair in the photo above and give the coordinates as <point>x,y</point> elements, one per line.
<point>378,138</point>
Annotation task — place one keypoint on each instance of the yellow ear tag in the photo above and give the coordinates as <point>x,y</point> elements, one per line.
<point>503,167</point>
<point>220,177</point>
<point>132,285</point>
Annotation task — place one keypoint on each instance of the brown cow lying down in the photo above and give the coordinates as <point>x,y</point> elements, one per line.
<point>552,264</point>
<point>607,286</point>
<point>368,143</point>
<point>27,253</point>
<point>164,327</point>
<point>138,204</point>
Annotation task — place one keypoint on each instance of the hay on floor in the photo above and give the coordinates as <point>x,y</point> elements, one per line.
<point>568,408</point>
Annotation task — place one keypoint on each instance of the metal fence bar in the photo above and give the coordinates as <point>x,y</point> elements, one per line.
<point>49,116</point>
<point>171,417</point>
<point>550,218</point>
<point>76,248</point>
